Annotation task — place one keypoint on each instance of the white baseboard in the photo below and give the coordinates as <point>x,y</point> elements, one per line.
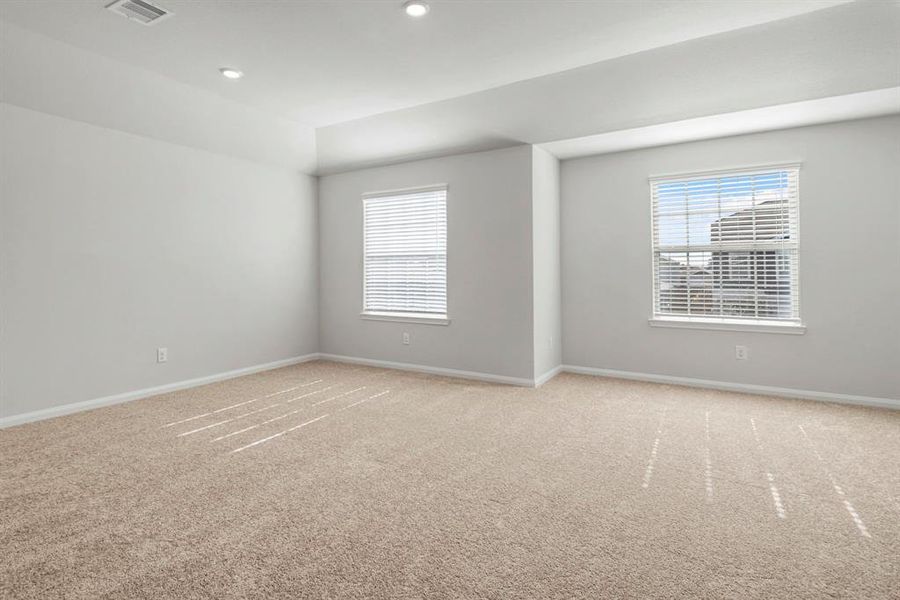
<point>74,407</point>
<point>67,409</point>
<point>739,387</point>
<point>474,375</point>
<point>539,381</point>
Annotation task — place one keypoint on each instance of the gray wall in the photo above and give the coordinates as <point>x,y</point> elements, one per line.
<point>112,245</point>
<point>547,300</point>
<point>849,263</point>
<point>489,265</point>
<point>103,260</point>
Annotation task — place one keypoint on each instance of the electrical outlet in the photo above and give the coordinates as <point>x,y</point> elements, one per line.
<point>162,355</point>
<point>741,353</point>
<point>405,338</point>
<point>550,342</point>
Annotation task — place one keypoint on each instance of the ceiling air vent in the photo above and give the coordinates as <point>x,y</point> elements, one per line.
<point>140,11</point>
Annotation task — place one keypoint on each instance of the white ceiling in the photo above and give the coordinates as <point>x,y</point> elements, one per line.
<point>860,105</point>
<point>344,84</point>
<point>42,74</point>
<point>325,62</point>
<point>836,52</point>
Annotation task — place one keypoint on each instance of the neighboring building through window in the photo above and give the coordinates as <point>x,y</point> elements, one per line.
<point>725,246</point>
<point>405,253</point>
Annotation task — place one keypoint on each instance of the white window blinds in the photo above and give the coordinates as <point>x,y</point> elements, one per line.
<point>725,246</point>
<point>405,239</point>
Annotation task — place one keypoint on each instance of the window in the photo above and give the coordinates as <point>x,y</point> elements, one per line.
<point>405,254</point>
<point>725,247</point>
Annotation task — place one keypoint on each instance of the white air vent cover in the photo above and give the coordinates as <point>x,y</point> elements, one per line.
<point>140,11</point>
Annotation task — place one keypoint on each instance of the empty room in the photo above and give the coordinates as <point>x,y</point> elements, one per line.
<point>449,299</point>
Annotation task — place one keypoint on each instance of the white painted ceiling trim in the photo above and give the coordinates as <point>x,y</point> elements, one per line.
<point>847,107</point>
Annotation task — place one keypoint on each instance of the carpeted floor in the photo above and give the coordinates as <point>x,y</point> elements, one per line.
<point>382,484</point>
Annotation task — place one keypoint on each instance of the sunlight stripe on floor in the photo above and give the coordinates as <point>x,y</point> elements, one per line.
<point>272,420</point>
<point>366,399</point>
<point>773,489</point>
<point>279,434</point>
<point>213,412</point>
<point>776,496</point>
<point>648,473</point>
<point>194,418</point>
<point>296,387</point>
<point>708,469</point>
<point>338,396</point>
<point>233,433</point>
<point>325,389</point>
<point>857,520</point>
<point>287,414</point>
<point>252,412</point>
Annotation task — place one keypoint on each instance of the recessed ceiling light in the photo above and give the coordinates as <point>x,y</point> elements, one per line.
<point>230,73</point>
<point>416,8</point>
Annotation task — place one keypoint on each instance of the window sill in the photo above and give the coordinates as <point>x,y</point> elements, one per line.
<point>729,325</point>
<point>406,318</point>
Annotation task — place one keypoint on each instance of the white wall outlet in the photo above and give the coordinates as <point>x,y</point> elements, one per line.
<point>406,338</point>
<point>741,353</point>
<point>162,355</point>
<point>550,342</point>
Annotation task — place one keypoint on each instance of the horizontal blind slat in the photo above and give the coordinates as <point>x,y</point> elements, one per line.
<point>726,245</point>
<point>405,250</point>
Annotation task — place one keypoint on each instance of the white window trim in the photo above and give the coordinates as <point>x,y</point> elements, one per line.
<point>713,323</point>
<point>420,318</point>
<point>741,170</point>
<point>403,317</point>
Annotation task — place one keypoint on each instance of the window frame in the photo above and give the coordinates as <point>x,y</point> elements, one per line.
<point>656,319</point>
<point>406,317</point>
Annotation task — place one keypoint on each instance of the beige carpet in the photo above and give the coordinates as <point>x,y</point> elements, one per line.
<point>423,487</point>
